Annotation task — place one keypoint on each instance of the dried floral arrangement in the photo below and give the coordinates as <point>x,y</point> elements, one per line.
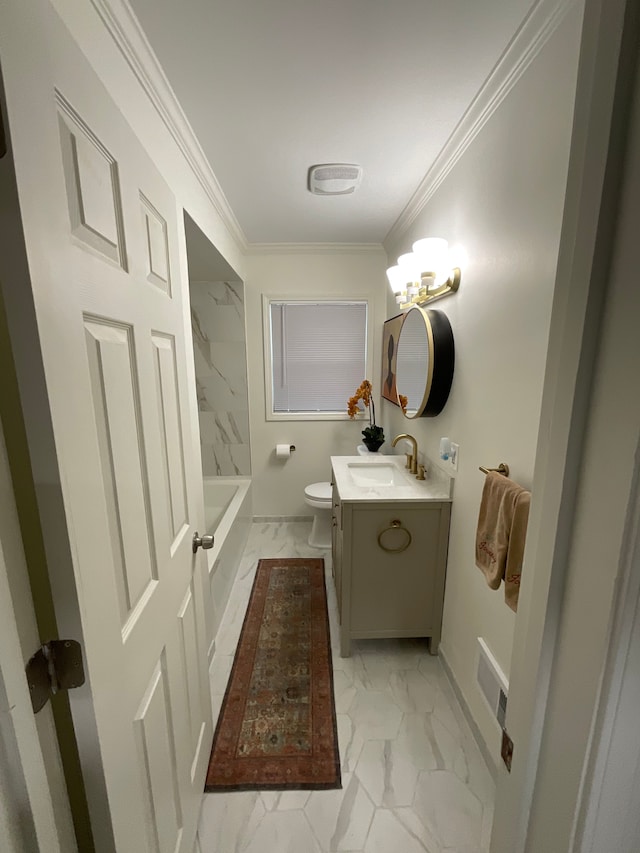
<point>373,434</point>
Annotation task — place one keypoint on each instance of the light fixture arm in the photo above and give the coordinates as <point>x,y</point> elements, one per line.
<point>413,287</point>
<point>426,295</point>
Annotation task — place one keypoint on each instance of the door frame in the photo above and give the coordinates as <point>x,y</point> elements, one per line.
<point>613,757</point>
<point>34,808</point>
<point>609,785</point>
<point>604,87</point>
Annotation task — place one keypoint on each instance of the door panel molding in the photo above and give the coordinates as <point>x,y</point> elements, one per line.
<point>93,187</point>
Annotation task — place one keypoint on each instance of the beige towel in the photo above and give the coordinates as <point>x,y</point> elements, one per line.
<point>500,497</point>
<point>515,551</point>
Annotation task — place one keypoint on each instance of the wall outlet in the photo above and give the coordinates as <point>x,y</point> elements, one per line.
<point>453,458</point>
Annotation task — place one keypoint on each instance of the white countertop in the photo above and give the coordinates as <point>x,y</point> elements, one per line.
<point>436,487</point>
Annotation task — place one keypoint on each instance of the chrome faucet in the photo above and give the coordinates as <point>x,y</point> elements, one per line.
<point>414,444</point>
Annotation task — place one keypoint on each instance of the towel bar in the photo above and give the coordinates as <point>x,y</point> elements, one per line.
<point>502,468</point>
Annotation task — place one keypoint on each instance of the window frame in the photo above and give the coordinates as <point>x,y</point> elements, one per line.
<point>267,300</point>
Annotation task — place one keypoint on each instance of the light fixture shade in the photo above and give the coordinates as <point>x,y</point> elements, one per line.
<point>433,256</point>
<point>397,278</point>
<point>429,272</point>
<point>409,263</point>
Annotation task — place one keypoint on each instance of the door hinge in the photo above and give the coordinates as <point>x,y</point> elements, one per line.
<point>57,665</point>
<point>506,750</point>
<point>3,138</point>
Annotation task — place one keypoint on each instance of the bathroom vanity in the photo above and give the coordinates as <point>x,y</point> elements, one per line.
<point>390,535</point>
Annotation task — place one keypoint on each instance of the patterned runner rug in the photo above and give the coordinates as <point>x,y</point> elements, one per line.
<point>277,725</point>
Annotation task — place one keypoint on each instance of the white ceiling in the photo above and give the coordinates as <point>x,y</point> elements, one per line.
<point>273,86</point>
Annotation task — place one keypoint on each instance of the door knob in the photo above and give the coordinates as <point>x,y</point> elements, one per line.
<point>205,542</point>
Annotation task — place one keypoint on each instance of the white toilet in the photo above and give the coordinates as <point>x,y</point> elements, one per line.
<point>318,496</point>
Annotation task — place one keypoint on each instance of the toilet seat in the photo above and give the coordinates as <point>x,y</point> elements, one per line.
<point>318,495</point>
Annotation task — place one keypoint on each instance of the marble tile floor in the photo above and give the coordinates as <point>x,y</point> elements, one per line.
<point>413,778</point>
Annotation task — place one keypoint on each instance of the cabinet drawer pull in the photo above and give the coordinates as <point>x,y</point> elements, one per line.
<point>396,524</point>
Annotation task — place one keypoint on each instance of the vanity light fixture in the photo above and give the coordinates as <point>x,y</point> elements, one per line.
<point>424,274</point>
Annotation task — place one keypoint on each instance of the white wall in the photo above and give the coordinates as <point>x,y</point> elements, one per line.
<point>278,487</point>
<point>502,202</point>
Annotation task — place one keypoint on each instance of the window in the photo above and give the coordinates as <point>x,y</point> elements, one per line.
<point>315,357</point>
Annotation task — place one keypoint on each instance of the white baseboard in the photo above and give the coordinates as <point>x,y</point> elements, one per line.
<point>489,758</point>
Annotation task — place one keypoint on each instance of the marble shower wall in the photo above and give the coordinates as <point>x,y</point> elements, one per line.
<point>219,344</point>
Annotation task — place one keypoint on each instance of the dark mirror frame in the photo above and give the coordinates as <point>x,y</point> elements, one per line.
<point>440,364</point>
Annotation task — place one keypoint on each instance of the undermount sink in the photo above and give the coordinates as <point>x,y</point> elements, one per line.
<point>385,478</point>
<point>375,474</point>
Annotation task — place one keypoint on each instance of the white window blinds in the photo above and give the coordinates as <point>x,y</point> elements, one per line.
<point>318,354</point>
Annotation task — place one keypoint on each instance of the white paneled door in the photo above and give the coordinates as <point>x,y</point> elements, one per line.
<point>106,265</point>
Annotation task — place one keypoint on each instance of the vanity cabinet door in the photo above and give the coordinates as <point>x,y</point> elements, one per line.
<point>396,591</point>
<point>336,546</point>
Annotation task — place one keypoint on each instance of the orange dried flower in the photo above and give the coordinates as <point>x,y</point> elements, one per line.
<point>403,403</point>
<point>352,407</point>
<point>363,393</point>
<point>373,435</point>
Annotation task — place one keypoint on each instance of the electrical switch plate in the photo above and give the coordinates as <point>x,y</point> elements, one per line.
<point>453,459</point>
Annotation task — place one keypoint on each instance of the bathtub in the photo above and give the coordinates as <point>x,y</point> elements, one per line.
<point>228,515</point>
<point>217,500</point>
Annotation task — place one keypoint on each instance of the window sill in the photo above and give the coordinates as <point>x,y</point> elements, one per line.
<point>310,416</point>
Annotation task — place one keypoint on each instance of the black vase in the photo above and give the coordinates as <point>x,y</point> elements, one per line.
<point>373,444</point>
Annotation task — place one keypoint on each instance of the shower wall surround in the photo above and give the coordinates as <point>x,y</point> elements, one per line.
<point>219,344</point>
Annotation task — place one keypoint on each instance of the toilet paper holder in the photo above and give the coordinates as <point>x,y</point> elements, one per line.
<point>283,450</point>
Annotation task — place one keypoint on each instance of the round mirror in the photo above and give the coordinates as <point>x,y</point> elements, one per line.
<point>424,362</point>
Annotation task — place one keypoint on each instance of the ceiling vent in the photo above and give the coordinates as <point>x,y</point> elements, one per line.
<point>334,178</point>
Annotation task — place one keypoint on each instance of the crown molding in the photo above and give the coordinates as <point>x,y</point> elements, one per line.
<point>540,24</point>
<point>315,249</point>
<point>123,26</point>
